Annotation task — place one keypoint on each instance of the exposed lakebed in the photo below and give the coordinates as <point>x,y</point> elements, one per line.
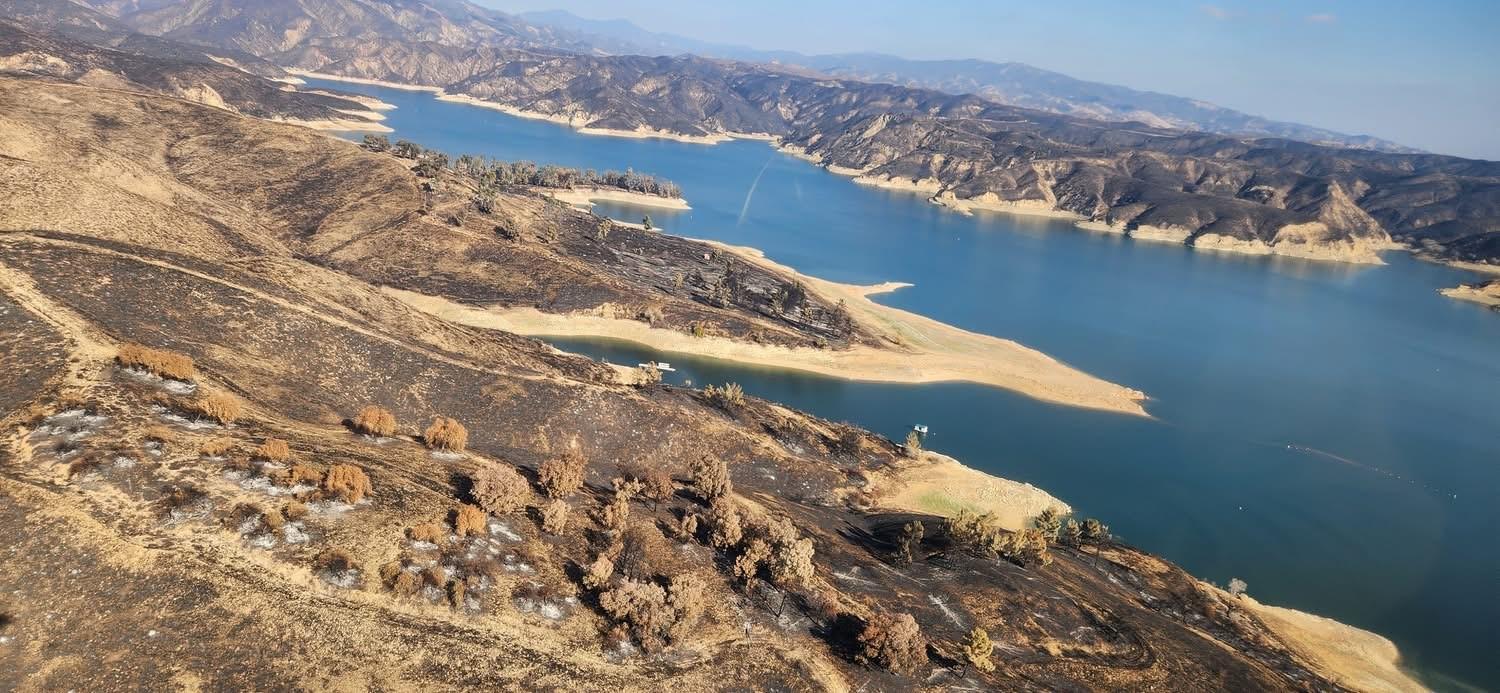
<point>1329,433</point>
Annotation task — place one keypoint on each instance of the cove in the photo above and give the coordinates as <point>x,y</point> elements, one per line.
<point>1329,433</point>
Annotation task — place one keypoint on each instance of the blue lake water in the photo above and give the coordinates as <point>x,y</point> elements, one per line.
<point>1329,433</point>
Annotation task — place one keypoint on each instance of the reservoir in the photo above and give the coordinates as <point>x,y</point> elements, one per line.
<point>1329,433</point>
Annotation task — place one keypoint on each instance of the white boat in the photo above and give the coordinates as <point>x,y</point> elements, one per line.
<point>662,366</point>
<point>920,428</point>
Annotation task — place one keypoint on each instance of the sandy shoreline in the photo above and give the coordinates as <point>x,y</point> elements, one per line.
<point>929,351</point>
<point>586,197</point>
<point>1354,657</point>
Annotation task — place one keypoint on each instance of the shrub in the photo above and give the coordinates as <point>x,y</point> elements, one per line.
<point>894,642</point>
<point>747,564</point>
<point>910,542</point>
<point>215,447</point>
<point>303,474</point>
<point>728,525</point>
<point>272,519</point>
<point>434,576</point>
<point>446,434</point>
<point>615,513</point>
<point>470,521</point>
<point>978,649</point>
<point>1095,531</point>
<point>971,531</point>
<point>599,572</point>
<point>1026,547</point>
<point>348,482</point>
<point>456,591</point>
<point>687,597</point>
<point>500,489</point>
<point>658,486</point>
<point>1072,533</point>
<point>167,364</point>
<point>730,396</point>
<point>642,608</point>
<point>274,450</point>
<point>406,584</point>
<point>377,143</point>
<point>555,516</point>
<point>562,475</point>
<point>161,434</point>
<point>294,510</point>
<point>642,550</point>
<point>375,421</point>
<point>219,406</point>
<point>1049,523</point>
<point>1237,586</point>
<point>430,532</point>
<point>711,478</point>
<point>791,561</point>
<point>686,527</point>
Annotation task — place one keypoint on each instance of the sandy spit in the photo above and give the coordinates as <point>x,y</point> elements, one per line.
<point>941,485</point>
<point>924,351</point>
<point>585,197</point>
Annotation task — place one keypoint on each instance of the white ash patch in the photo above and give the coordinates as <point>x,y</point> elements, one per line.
<point>504,530</point>
<point>329,507</point>
<point>446,456</point>
<point>545,608</point>
<point>342,578</point>
<point>71,426</point>
<point>948,611</point>
<point>265,541</point>
<point>177,419</point>
<point>196,511</point>
<point>854,574</point>
<point>123,462</point>
<point>513,565</point>
<point>154,448</point>
<point>419,545</point>
<point>294,533</point>
<point>433,594</point>
<point>172,385</point>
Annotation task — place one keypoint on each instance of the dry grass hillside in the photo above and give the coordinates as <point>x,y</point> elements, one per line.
<point>253,523</point>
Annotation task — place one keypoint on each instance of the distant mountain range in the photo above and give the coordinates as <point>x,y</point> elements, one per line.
<point>1246,194</point>
<point>1010,83</point>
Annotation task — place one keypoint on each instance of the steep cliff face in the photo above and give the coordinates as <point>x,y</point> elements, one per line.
<point>1247,195</point>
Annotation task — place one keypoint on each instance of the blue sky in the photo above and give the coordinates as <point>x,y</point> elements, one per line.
<point>1425,74</point>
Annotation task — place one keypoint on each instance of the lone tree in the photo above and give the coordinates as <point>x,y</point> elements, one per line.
<point>711,478</point>
<point>646,222</point>
<point>977,650</point>
<point>446,434</point>
<point>563,474</point>
<point>913,445</point>
<point>895,642</point>
<point>910,541</point>
<point>500,489</point>
<point>1072,533</point>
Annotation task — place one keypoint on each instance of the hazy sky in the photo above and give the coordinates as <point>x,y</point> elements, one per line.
<point>1426,74</point>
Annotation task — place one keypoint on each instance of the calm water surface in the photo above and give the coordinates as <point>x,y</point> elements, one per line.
<point>1329,433</point>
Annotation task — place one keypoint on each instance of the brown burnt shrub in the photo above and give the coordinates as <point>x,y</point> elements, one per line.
<point>895,642</point>
<point>214,447</point>
<point>274,450</point>
<point>469,521</point>
<point>348,482</point>
<point>218,406</point>
<point>500,489</point>
<point>303,474</point>
<point>562,475</point>
<point>375,421</point>
<point>167,364</point>
<point>555,516</point>
<point>294,510</point>
<point>430,532</point>
<point>446,434</point>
